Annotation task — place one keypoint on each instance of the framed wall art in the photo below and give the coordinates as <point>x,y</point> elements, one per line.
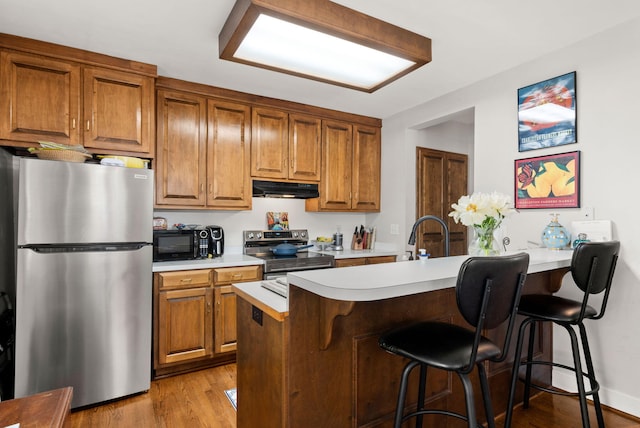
<point>547,113</point>
<point>277,220</point>
<point>551,181</point>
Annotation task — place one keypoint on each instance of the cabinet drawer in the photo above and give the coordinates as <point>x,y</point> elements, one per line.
<point>380,259</point>
<point>185,279</point>
<point>237,274</point>
<point>360,261</point>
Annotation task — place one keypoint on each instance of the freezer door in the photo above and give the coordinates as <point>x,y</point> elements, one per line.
<point>84,320</point>
<point>66,202</point>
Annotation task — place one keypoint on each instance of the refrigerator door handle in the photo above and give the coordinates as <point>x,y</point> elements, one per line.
<point>83,248</point>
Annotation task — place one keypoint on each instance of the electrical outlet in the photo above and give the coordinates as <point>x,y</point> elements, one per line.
<point>395,229</point>
<point>256,314</point>
<point>586,213</point>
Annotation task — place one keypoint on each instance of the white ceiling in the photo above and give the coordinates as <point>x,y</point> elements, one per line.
<point>472,40</point>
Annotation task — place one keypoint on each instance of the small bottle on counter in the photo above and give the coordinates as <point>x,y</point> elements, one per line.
<point>582,237</point>
<point>422,254</point>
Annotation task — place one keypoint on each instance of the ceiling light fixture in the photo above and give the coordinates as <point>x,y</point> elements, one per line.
<point>323,41</point>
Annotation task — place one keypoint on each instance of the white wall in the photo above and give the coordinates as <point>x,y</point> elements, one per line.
<point>234,222</point>
<point>608,90</point>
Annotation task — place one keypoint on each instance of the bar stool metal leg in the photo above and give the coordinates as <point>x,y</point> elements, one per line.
<point>486,396</point>
<point>514,373</point>
<point>402,394</point>
<point>592,375</point>
<point>472,421</point>
<point>421,393</point>
<point>527,382</point>
<point>584,410</point>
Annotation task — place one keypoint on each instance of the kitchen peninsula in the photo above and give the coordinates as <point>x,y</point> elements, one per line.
<point>314,360</point>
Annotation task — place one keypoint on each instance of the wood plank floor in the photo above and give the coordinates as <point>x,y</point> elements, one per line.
<point>197,400</point>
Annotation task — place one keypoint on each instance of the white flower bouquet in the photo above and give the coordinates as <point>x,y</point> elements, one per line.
<point>484,212</point>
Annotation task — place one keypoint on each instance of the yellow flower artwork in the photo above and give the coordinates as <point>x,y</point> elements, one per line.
<point>548,181</point>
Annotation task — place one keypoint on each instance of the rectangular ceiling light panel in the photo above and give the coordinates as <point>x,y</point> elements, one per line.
<point>260,35</point>
<point>283,45</point>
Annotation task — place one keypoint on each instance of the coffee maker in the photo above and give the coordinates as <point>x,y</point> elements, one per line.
<point>216,241</point>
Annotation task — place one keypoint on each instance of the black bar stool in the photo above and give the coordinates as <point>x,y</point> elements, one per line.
<point>592,268</point>
<point>487,293</point>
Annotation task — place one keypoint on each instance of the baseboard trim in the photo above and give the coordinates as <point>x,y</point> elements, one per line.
<point>615,400</point>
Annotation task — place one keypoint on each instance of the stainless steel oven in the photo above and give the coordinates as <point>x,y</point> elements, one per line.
<point>260,243</point>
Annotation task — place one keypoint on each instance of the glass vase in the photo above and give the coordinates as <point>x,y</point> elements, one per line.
<point>484,242</point>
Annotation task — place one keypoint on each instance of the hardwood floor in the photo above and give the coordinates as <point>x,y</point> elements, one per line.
<point>197,400</point>
<point>194,399</point>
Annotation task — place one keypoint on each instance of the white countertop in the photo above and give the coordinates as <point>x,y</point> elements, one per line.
<point>229,260</point>
<point>352,254</point>
<point>388,280</point>
<point>226,260</point>
<point>274,304</point>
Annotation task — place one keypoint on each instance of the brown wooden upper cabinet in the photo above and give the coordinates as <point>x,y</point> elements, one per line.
<point>350,173</point>
<point>284,146</point>
<point>64,95</point>
<point>118,111</point>
<point>203,152</point>
<point>181,168</point>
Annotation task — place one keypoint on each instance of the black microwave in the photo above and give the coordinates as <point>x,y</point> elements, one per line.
<point>180,244</point>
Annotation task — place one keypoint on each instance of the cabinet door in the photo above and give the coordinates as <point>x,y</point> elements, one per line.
<point>269,143</point>
<point>225,319</point>
<point>185,323</point>
<point>228,175</point>
<point>335,185</point>
<point>39,99</point>
<point>365,182</point>
<point>304,147</point>
<point>181,155</point>
<point>118,111</point>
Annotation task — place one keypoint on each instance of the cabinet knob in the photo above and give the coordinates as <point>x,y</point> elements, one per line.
<point>88,125</point>
<point>73,123</point>
<point>186,280</point>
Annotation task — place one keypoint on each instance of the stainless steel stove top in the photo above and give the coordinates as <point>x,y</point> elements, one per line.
<point>259,243</point>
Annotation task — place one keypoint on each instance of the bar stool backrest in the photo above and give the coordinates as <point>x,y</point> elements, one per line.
<point>505,275</point>
<point>592,268</point>
<point>593,264</point>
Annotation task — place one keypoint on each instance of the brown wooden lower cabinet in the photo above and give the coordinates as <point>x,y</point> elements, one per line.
<point>360,261</point>
<point>195,318</point>
<point>322,367</point>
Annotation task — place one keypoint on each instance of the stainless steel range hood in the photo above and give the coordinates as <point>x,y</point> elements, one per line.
<point>278,189</point>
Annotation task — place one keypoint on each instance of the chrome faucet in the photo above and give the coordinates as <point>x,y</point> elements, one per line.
<point>412,237</point>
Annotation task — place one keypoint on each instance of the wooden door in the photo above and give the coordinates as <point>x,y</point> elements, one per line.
<point>228,175</point>
<point>269,143</point>
<point>185,324</point>
<point>337,150</point>
<point>441,178</point>
<point>181,157</point>
<point>118,111</point>
<point>304,147</point>
<point>39,99</point>
<point>225,319</point>
<point>365,181</point>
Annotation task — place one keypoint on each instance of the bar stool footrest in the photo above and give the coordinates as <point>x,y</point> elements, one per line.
<point>556,391</point>
<point>437,412</point>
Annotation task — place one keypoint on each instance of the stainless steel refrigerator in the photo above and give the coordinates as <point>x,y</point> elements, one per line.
<point>83,279</point>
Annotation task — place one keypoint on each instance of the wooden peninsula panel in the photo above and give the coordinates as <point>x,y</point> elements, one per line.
<point>322,367</point>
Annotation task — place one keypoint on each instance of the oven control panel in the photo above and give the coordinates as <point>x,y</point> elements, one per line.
<point>275,235</point>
